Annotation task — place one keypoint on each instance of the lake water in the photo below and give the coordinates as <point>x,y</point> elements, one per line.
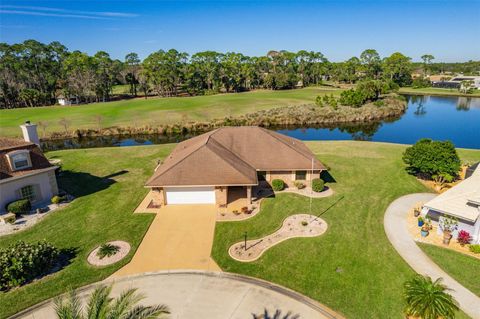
<point>440,118</point>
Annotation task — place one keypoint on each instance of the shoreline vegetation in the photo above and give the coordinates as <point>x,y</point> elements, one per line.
<point>392,106</point>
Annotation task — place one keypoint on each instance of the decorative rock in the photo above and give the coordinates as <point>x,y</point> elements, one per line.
<point>93,259</point>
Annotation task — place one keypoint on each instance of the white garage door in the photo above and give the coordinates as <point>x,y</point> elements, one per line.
<point>190,195</point>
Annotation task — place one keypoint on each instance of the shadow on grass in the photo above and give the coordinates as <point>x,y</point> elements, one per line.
<point>327,177</point>
<point>81,184</point>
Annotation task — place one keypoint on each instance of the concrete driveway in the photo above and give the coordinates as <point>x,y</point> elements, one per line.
<point>205,295</point>
<point>180,237</point>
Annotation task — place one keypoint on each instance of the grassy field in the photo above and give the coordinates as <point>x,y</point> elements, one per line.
<point>464,269</point>
<point>437,91</point>
<point>108,185</point>
<point>372,274</point>
<point>154,111</point>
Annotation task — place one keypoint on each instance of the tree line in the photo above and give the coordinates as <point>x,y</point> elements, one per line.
<point>35,74</point>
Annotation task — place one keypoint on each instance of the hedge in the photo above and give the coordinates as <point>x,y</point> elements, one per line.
<point>317,185</point>
<point>23,262</point>
<point>278,185</point>
<point>18,207</point>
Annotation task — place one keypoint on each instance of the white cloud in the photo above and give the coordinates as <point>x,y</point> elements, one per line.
<point>63,13</point>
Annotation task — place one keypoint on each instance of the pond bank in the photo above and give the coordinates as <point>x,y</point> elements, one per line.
<point>281,117</point>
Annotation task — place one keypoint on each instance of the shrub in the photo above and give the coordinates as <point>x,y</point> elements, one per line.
<point>23,262</point>
<point>19,207</point>
<point>464,237</point>
<point>421,82</point>
<point>304,223</point>
<point>299,184</point>
<point>317,185</point>
<point>352,98</point>
<point>107,250</point>
<point>278,185</point>
<point>10,219</point>
<point>56,200</point>
<point>475,248</point>
<point>318,101</point>
<point>432,158</point>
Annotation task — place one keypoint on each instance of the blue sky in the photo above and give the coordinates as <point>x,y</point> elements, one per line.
<point>450,30</point>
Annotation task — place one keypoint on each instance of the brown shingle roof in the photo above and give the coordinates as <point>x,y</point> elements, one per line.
<point>231,156</point>
<point>36,156</point>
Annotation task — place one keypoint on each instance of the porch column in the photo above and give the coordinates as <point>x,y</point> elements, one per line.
<point>249,195</point>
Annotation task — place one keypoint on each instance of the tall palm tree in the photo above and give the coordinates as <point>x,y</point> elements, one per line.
<point>101,306</point>
<point>429,299</point>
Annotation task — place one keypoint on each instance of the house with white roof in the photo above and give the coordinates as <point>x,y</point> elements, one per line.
<point>461,202</point>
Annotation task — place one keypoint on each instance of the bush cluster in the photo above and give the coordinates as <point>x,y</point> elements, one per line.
<point>432,159</point>
<point>317,185</point>
<point>475,248</point>
<point>23,262</point>
<point>421,82</point>
<point>278,185</point>
<point>19,207</point>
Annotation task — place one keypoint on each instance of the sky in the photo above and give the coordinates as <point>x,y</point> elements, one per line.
<point>448,29</point>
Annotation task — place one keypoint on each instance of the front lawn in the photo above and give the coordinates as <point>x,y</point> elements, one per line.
<point>352,268</point>
<point>108,184</point>
<point>463,268</point>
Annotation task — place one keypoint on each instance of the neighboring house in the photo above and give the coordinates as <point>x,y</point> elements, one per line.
<point>462,202</point>
<point>203,169</point>
<point>457,82</point>
<point>24,171</point>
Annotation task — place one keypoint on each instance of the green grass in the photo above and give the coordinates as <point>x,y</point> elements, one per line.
<point>463,268</point>
<point>121,89</point>
<point>437,91</point>
<point>155,111</point>
<point>102,212</point>
<point>368,175</point>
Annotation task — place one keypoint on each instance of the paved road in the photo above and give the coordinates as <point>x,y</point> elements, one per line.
<point>180,237</point>
<point>196,294</point>
<point>395,224</point>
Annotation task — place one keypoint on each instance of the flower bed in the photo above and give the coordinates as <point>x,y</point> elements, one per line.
<point>123,250</point>
<point>299,225</point>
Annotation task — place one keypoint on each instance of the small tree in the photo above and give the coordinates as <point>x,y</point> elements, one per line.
<point>432,159</point>
<point>65,123</point>
<point>428,299</point>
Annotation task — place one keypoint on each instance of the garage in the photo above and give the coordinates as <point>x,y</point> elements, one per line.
<point>190,195</point>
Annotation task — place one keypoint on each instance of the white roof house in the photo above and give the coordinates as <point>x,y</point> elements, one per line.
<point>461,201</point>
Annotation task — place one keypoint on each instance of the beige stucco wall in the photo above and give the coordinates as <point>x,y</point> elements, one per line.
<point>221,195</point>
<point>45,185</point>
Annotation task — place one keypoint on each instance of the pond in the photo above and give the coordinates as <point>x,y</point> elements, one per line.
<point>440,118</point>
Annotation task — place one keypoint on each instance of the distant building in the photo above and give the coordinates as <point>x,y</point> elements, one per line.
<point>456,82</point>
<point>63,100</point>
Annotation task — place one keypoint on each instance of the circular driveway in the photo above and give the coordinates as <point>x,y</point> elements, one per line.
<point>197,294</point>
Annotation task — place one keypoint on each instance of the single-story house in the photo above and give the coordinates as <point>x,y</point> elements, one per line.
<point>24,171</point>
<point>462,202</point>
<point>203,169</point>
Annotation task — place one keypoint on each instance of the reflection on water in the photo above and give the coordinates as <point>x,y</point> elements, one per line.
<point>437,117</point>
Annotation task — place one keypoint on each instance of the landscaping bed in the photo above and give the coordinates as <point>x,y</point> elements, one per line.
<point>299,225</point>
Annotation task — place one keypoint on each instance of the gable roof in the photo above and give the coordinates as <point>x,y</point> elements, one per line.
<point>231,156</point>
<point>462,200</point>
<point>7,145</point>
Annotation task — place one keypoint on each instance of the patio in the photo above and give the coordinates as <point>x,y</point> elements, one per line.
<point>433,237</point>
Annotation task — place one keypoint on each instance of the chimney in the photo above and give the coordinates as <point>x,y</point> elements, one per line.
<point>30,134</point>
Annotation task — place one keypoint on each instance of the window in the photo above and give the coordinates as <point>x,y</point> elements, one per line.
<point>19,160</point>
<point>28,192</point>
<point>300,175</point>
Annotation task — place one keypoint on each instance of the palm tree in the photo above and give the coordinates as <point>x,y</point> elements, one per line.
<point>101,306</point>
<point>429,299</point>
<point>276,315</point>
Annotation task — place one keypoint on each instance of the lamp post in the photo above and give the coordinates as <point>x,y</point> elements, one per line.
<point>245,237</point>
